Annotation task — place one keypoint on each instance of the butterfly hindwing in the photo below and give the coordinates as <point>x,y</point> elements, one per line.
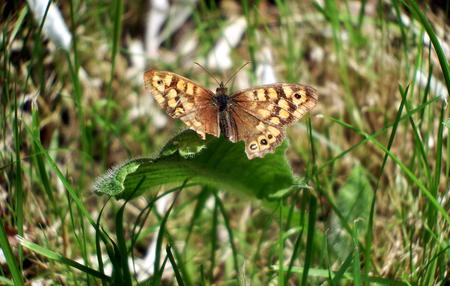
<point>259,137</point>
<point>184,99</point>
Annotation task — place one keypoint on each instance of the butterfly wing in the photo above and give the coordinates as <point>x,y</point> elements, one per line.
<point>184,99</point>
<point>262,113</point>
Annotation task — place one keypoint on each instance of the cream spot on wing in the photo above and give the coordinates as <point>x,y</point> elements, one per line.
<point>264,113</point>
<point>272,93</point>
<point>188,105</point>
<point>287,91</point>
<point>158,83</point>
<point>159,98</point>
<point>275,120</point>
<point>283,104</point>
<point>172,93</point>
<point>261,95</point>
<point>260,126</point>
<point>179,111</point>
<point>298,113</point>
<point>190,88</point>
<point>249,95</point>
<point>172,103</point>
<point>168,79</point>
<point>274,131</point>
<point>181,85</point>
<point>283,114</point>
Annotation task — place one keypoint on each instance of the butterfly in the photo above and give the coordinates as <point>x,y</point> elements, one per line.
<point>257,116</point>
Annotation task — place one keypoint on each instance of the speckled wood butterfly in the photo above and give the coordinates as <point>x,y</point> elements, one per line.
<point>256,115</point>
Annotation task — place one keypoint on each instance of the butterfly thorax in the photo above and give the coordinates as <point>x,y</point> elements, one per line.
<point>222,100</point>
<point>223,103</point>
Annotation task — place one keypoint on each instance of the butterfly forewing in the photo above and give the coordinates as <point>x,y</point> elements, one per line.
<point>184,99</point>
<point>269,108</point>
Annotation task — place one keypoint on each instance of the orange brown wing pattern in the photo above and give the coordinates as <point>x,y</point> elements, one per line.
<point>260,138</point>
<point>184,99</point>
<point>262,112</point>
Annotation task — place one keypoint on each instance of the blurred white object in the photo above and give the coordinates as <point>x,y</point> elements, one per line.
<point>219,57</point>
<point>444,45</point>
<point>436,87</point>
<point>156,17</point>
<point>179,12</point>
<point>265,73</point>
<point>170,15</point>
<point>54,26</point>
<point>137,58</point>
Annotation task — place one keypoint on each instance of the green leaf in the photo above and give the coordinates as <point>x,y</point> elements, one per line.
<point>214,162</point>
<point>353,201</point>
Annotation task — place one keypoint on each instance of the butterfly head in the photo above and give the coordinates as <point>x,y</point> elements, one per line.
<point>221,90</point>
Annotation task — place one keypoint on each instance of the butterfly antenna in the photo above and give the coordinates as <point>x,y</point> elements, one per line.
<point>235,73</point>
<point>208,72</point>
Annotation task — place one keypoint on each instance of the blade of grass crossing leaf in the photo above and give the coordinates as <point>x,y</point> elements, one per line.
<point>405,169</point>
<point>173,262</point>
<point>156,280</point>
<point>121,242</point>
<point>340,273</point>
<point>298,240</point>
<point>262,238</point>
<point>138,224</point>
<point>369,234</point>
<point>214,234</point>
<point>201,201</point>
<point>231,237</point>
<point>78,227</point>
<point>5,246</point>
<point>181,263</point>
<point>97,241</point>
<point>281,245</point>
<point>159,240</point>
<point>60,258</point>
<point>375,134</point>
<point>63,179</point>
<point>122,247</point>
<point>310,238</point>
<point>356,260</point>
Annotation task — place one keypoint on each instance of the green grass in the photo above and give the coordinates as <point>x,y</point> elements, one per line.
<point>358,195</point>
